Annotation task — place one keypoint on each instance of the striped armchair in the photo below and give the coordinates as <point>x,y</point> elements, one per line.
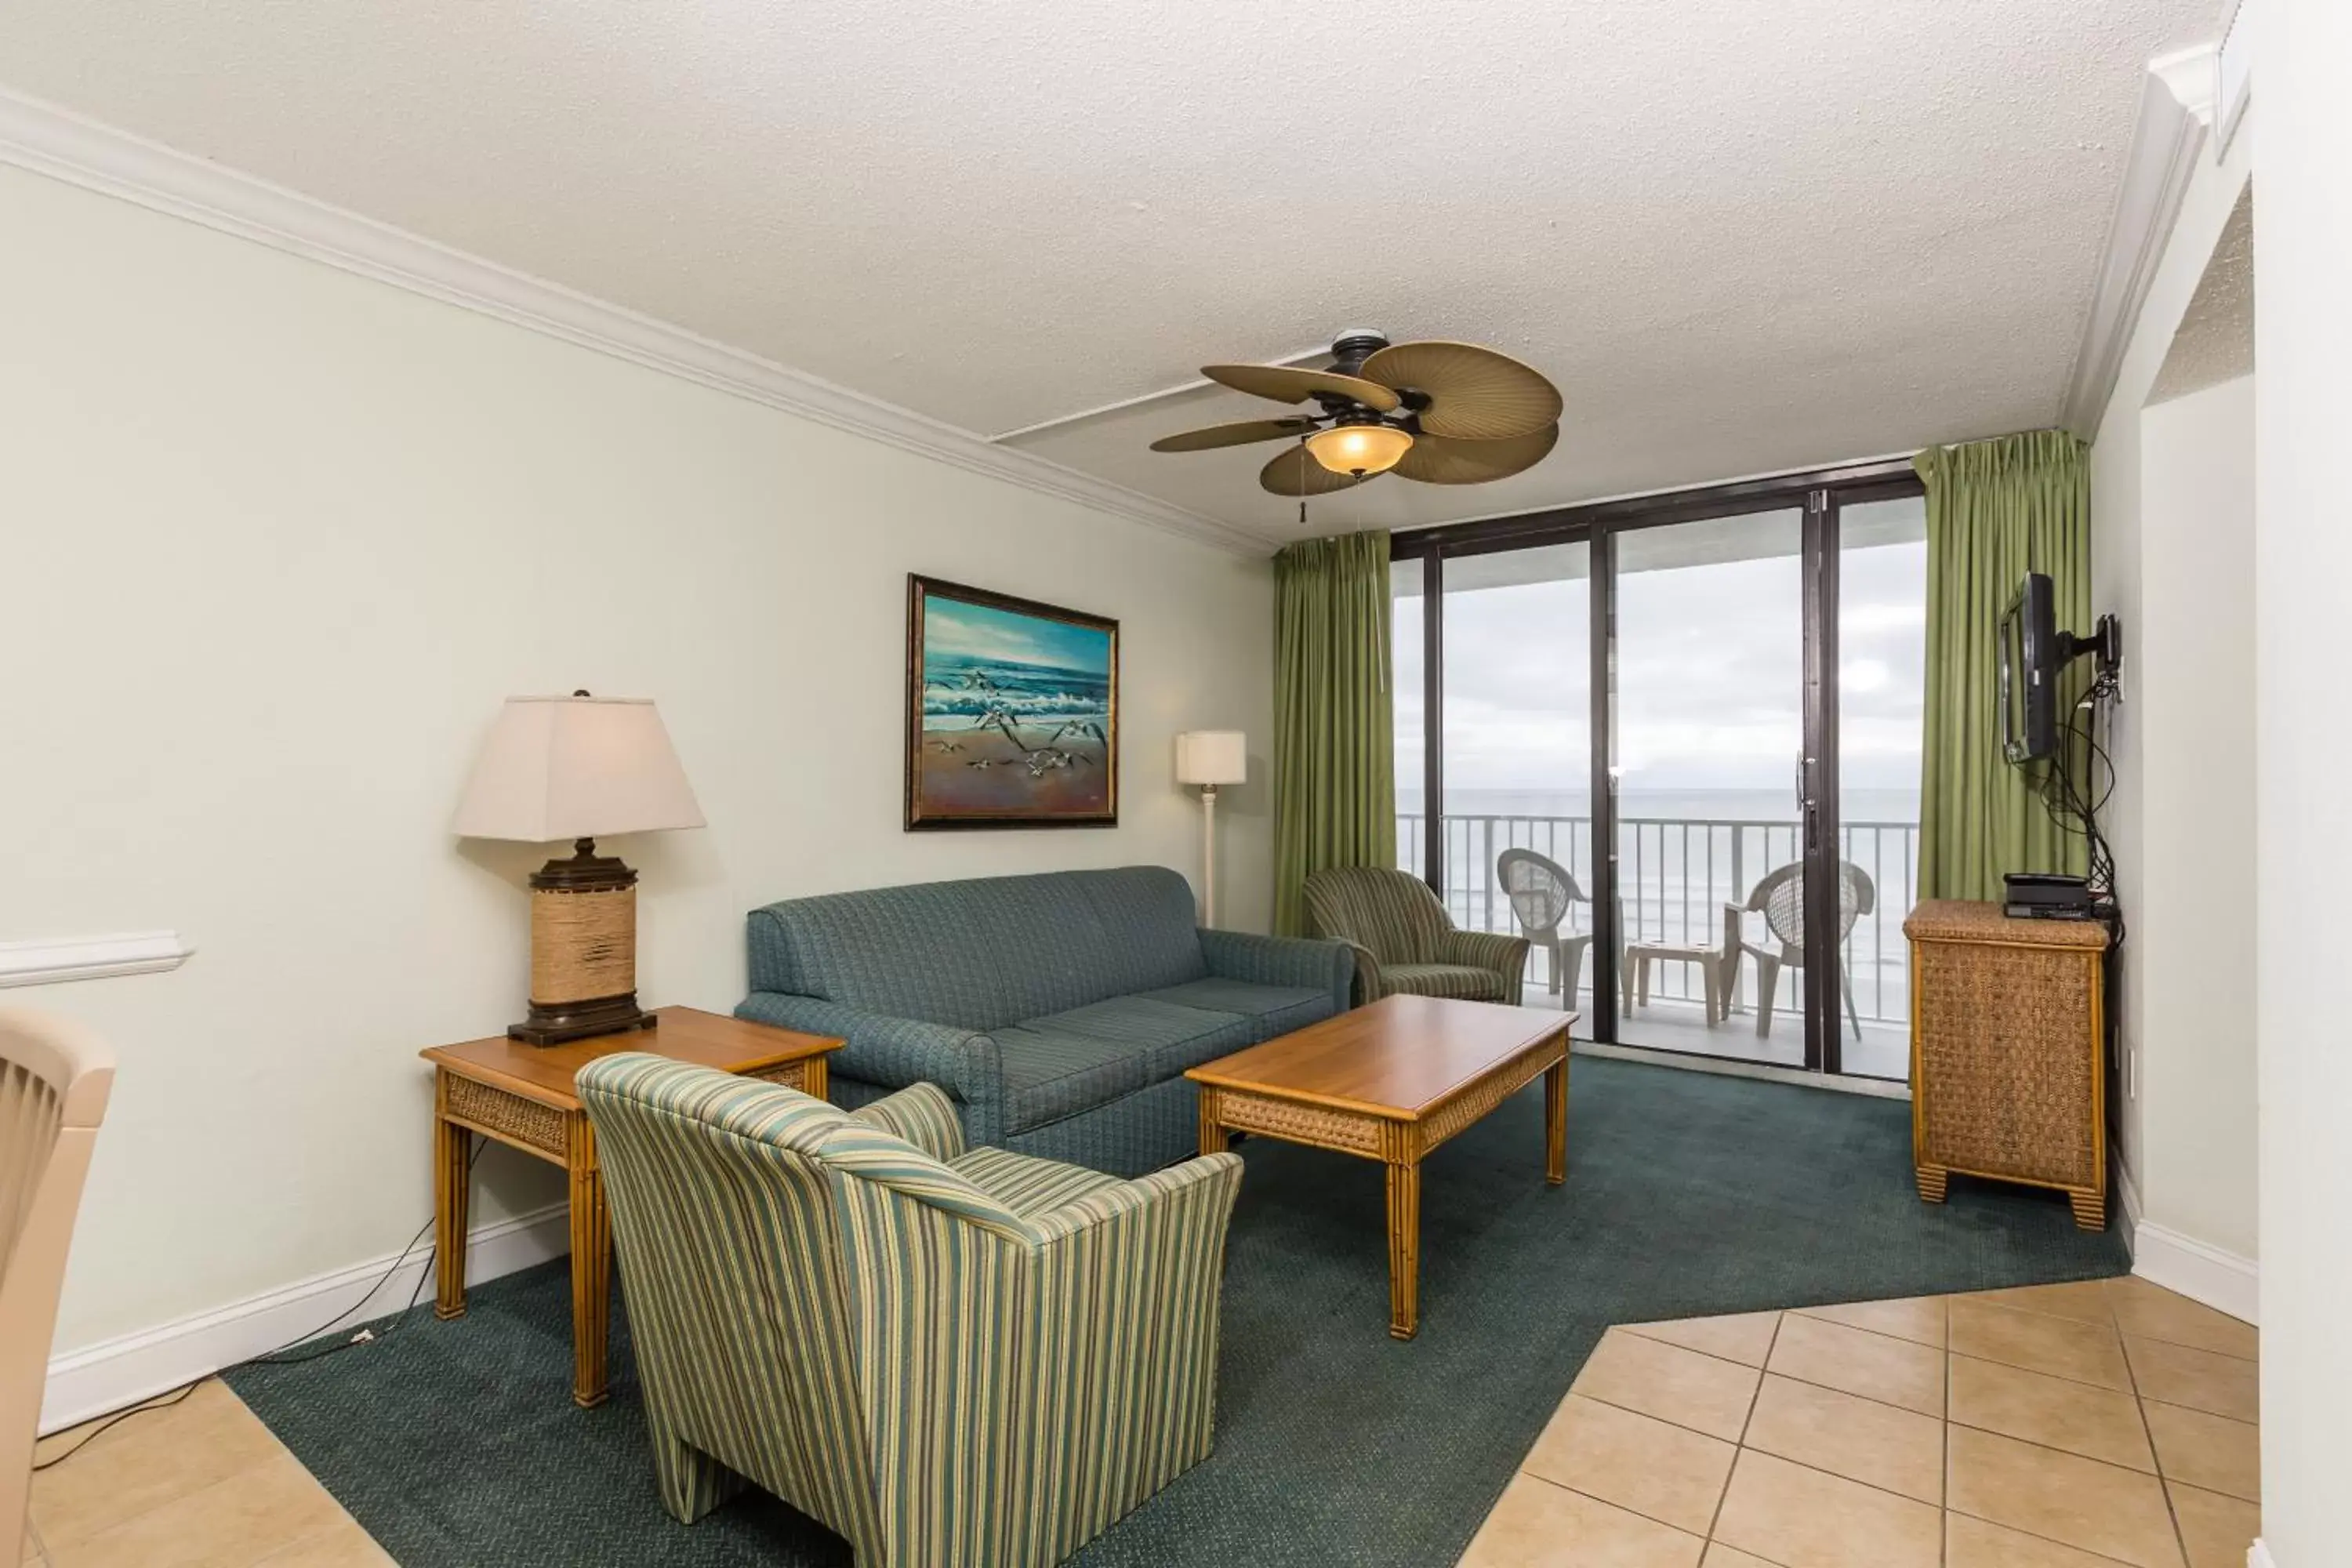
<point>1404,940</point>
<point>947,1356</point>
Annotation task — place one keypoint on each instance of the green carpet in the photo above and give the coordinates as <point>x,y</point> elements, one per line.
<point>457,1443</point>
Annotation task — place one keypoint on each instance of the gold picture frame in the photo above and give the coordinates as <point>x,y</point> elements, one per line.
<point>1011,711</point>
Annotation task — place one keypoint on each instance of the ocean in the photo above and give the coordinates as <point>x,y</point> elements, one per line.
<point>1891,805</point>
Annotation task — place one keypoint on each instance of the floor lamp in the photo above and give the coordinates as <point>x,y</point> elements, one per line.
<point>1209,758</point>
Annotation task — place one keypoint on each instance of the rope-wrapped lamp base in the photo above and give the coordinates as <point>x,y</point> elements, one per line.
<point>584,949</point>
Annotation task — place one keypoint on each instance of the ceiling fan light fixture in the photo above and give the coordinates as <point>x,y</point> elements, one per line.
<point>1360,449</point>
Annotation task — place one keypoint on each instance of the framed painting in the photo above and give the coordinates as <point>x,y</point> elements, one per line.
<point>1011,711</point>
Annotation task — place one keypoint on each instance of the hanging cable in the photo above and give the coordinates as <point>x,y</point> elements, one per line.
<point>277,1356</point>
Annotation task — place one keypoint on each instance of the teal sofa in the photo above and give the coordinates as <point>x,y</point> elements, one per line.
<point>1058,1012</point>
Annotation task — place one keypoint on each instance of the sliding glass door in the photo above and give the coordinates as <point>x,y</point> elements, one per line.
<point>1515,694</point>
<point>1710,730</point>
<point>1674,742</point>
<point>1881,669</point>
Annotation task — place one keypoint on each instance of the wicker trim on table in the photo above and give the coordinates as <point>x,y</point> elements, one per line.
<point>1473,1104</point>
<point>504,1115</point>
<point>1347,1130</point>
<point>790,1075</point>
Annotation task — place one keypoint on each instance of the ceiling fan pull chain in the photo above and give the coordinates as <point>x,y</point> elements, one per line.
<point>1302,494</point>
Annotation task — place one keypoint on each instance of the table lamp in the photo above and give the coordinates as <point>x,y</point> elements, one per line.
<point>1209,758</point>
<point>575,767</point>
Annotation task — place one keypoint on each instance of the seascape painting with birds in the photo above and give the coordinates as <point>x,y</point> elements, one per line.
<point>1012,711</point>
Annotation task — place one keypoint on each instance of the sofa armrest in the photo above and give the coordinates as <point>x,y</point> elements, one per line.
<point>920,1113</point>
<point>1305,962</point>
<point>1506,955</point>
<point>897,1052</point>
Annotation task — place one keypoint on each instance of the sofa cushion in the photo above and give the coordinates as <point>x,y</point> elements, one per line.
<point>1270,1010</point>
<point>1024,1184</point>
<point>1049,1075</point>
<point>1461,981</point>
<point>985,953</point>
<point>1070,1061</point>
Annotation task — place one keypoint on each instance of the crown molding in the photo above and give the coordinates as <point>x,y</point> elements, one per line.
<point>2175,111</point>
<point>63,145</point>
<point>2233,75</point>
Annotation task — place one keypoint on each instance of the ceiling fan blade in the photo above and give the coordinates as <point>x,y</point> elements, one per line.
<point>1439,460</point>
<point>1285,385</point>
<point>1240,435</point>
<point>1474,394</point>
<point>1296,473</point>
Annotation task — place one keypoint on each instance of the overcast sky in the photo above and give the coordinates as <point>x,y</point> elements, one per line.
<point>1710,668</point>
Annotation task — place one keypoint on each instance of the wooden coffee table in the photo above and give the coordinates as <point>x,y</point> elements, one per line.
<point>1391,1082</point>
<point>521,1095</point>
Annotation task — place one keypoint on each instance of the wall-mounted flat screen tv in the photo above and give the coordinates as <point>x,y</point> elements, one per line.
<point>2030,662</point>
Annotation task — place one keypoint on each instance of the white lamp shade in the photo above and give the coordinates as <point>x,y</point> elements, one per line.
<point>1212,757</point>
<point>576,767</point>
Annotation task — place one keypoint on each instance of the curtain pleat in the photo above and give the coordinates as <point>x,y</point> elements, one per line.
<point>1334,744</point>
<point>1996,510</point>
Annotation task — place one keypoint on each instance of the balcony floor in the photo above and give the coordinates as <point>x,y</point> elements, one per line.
<point>1883,1050</point>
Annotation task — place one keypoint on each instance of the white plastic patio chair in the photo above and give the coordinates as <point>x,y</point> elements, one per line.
<point>1779,898</point>
<point>1542,892</point>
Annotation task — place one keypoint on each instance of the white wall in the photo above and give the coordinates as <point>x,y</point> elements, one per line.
<point>2302,719</point>
<point>2172,504</point>
<point>279,539</point>
<point>2192,944</point>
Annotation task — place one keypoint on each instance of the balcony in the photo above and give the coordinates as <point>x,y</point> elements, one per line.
<point>1675,875</point>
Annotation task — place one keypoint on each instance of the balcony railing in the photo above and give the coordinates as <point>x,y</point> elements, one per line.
<point>1675,875</point>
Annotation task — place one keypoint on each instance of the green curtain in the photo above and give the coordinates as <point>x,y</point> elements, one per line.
<point>1334,743</point>
<point>1996,510</point>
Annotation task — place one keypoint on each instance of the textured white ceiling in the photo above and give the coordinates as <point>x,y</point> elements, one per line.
<point>1742,235</point>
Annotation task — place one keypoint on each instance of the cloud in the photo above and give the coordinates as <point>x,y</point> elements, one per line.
<point>1709,677</point>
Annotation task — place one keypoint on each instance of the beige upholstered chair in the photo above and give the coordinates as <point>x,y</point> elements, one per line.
<point>1405,942</point>
<point>54,1080</point>
<point>949,1355</point>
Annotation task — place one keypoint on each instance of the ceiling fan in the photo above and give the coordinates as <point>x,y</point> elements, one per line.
<point>1443,413</point>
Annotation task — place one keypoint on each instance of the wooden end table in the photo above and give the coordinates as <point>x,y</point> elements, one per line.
<point>1391,1082</point>
<point>521,1095</point>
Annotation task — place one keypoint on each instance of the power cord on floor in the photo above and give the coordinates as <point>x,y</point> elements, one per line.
<point>159,1402</point>
<point>277,1357</point>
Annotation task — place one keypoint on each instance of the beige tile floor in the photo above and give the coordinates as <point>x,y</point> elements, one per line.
<point>2054,1427</point>
<point>203,1482</point>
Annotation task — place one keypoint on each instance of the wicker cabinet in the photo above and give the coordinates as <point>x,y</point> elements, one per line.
<point>2006,1076</point>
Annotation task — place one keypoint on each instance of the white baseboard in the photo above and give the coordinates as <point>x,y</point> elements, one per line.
<point>2259,1556</point>
<point>2127,1206</point>
<point>121,1372</point>
<point>1684,1061</point>
<point>2222,1280</point>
